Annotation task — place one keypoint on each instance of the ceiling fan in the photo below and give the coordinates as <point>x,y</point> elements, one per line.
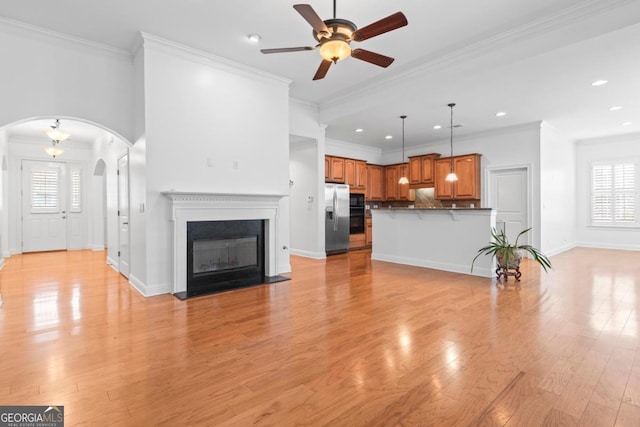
<point>335,35</point>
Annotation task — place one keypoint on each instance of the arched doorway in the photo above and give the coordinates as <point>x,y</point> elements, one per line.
<point>88,178</point>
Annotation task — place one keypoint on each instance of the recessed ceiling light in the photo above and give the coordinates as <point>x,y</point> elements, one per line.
<point>437,127</point>
<point>254,38</point>
<point>359,130</point>
<point>627,124</point>
<point>615,108</point>
<point>501,114</point>
<point>599,82</point>
<point>388,137</point>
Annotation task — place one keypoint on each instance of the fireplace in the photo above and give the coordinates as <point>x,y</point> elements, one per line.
<point>188,207</point>
<point>224,255</point>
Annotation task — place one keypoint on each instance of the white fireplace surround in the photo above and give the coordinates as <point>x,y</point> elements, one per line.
<point>191,207</point>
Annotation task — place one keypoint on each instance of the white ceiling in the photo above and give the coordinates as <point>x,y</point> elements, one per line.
<point>533,59</point>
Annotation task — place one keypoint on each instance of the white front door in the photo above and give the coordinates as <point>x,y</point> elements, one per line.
<point>508,193</point>
<point>44,206</point>
<point>123,215</point>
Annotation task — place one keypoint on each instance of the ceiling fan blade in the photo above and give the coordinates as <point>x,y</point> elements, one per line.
<point>322,69</point>
<point>287,49</point>
<point>372,57</point>
<point>312,17</point>
<point>382,26</point>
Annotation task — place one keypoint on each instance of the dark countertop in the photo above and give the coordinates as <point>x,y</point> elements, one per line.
<point>430,209</point>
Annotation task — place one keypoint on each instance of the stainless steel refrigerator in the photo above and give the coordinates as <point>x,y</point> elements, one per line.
<point>336,218</point>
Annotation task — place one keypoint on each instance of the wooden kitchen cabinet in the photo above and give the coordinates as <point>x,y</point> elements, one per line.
<point>327,168</point>
<point>355,175</point>
<point>391,180</point>
<point>368,231</point>
<point>395,191</point>
<point>361,175</point>
<point>375,183</point>
<point>334,169</point>
<point>350,172</point>
<point>467,187</point>
<point>422,170</point>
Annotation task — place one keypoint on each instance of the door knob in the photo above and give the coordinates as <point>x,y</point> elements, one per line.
<point>64,217</point>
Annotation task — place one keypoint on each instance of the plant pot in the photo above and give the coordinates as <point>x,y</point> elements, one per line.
<point>515,257</point>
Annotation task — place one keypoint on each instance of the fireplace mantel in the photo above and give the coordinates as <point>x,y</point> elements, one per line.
<point>198,206</point>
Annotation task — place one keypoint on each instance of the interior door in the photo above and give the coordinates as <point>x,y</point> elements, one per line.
<point>123,215</point>
<point>509,194</point>
<point>44,206</point>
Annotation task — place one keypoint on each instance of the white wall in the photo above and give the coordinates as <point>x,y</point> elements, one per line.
<point>303,171</point>
<point>304,127</point>
<point>201,111</point>
<point>109,150</point>
<point>623,147</point>
<point>356,151</point>
<point>137,181</point>
<point>557,191</point>
<point>4,197</point>
<point>48,76</point>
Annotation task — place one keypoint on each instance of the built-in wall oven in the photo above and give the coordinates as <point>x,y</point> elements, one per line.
<point>356,213</point>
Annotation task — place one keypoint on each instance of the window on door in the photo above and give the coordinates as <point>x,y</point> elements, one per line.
<point>614,198</point>
<point>76,190</point>
<point>44,190</point>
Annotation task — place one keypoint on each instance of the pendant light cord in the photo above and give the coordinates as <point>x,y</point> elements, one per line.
<point>402,161</point>
<point>451,164</point>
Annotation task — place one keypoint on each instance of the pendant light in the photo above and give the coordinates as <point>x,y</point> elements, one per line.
<point>56,136</point>
<point>452,175</point>
<point>403,179</point>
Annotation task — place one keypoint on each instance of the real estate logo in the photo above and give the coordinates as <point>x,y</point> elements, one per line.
<point>31,416</point>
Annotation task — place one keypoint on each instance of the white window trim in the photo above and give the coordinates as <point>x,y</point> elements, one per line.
<point>616,225</point>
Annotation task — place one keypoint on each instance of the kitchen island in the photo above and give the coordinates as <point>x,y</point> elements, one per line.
<point>439,238</point>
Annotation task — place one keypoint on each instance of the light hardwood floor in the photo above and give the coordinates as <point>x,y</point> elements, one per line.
<point>347,342</point>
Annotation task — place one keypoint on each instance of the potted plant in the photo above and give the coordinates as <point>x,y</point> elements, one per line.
<point>508,256</point>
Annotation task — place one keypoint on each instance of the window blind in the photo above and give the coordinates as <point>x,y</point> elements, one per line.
<point>44,189</point>
<point>76,190</point>
<point>613,193</point>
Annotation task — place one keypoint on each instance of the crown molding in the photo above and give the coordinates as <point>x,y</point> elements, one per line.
<point>209,59</point>
<point>20,28</point>
<point>308,105</point>
<point>474,49</point>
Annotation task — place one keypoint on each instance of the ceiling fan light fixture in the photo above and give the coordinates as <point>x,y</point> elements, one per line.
<point>335,50</point>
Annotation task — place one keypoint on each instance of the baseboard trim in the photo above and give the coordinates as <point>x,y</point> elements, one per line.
<point>308,254</point>
<point>452,268</point>
<point>285,268</point>
<point>621,247</point>
<point>559,250</point>
<point>113,264</point>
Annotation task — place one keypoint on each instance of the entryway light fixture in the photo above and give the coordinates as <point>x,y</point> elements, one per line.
<point>452,175</point>
<point>56,136</point>
<point>403,179</point>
